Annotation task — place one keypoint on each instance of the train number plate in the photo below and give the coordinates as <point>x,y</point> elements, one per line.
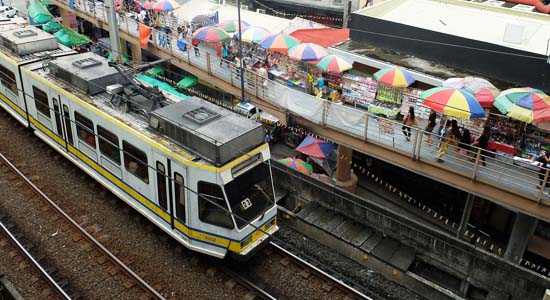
<point>246,204</point>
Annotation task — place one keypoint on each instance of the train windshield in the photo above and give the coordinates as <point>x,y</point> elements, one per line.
<point>250,194</point>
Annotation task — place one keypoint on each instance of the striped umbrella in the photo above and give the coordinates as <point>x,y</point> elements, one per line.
<point>148,5</point>
<point>307,52</point>
<point>210,34</point>
<point>279,42</point>
<point>335,64</point>
<point>232,25</point>
<point>297,164</point>
<point>524,104</point>
<point>166,5</point>
<point>453,102</point>
<point>254,34</point>
<point>394,76</point>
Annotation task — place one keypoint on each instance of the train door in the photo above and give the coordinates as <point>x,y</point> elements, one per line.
<point>58,117</point>
<point>180,193</point>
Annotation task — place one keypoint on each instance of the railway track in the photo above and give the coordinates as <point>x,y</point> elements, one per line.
<point>171,269</point>
<point>19,251</point>
<point>80,235</point>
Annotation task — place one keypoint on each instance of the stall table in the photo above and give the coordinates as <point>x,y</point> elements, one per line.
<point>501,147</point>
<point>282,78</point>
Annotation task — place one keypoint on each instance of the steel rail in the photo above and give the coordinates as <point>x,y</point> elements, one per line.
<point>144,285</point>
<point>35,263</point>
<point>338,282</point>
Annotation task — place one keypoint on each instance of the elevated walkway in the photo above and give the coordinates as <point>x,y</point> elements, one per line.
<point>500,181</point>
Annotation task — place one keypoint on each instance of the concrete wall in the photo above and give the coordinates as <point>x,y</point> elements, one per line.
<point>520,70</point>
<point>463,260</point>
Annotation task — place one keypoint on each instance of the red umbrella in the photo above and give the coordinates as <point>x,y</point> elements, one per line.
<point>315,147</point>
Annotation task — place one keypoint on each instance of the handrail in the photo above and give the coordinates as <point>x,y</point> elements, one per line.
<point>351,121</point>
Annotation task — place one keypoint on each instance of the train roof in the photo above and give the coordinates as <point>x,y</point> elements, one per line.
<point>24,43</point>
<point>213,136</point>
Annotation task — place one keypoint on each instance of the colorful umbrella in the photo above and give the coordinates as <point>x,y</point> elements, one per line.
<point>335,64</point>
<point>454,82</point>
<point>315,147</point>
<point>202,20</point>
<point>484,91</point>
<point>279,42</point>
<point>307,52</point>
<point>232,25</point>
<point>453,102</point>
<point>524,104</point>
<point>297,164</point>
<point>254,34</point>
<point>148,5</point>
<point>394,76</point>
<point>166,5</point>
<point>210,34</point>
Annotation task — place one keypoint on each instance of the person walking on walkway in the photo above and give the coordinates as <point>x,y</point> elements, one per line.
<point>225,53</point>
<point>482,142</point>
<point>544,160</point>
<point>408,121</point>
<point>445,140</point>
<point>430,127</point>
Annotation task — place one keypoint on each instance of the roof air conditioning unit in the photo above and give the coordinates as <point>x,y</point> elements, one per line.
<point>261,11</point>
<point>244,7</point>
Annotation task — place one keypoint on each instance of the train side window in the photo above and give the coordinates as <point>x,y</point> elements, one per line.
<point>7,78</point>
<point>108,144</point>
<point>161,185</point>
<point>180,196</point>
<point>57,114</point>
<point>41,101</point>
<point>68,127</point>
<point>135,161</point>
<point>212,206</point>
<point>85,129</point>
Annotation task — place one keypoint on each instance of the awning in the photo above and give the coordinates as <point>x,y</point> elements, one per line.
<point>187,82</point>
<point>155,71</point>
<point>52,26</point>
<point>70,38</point>
<point>163,86</point>
<point>325,37</point>
<point>38,13</point>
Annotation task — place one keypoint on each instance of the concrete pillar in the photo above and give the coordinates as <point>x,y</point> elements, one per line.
<point>465,215</point>
<point>136,52</point>
<point>65,17</point>
<point>523,229</point>
<point>344,176</point>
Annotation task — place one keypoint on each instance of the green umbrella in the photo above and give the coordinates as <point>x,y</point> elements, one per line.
<point>52,26</point>
<point>70,38</point>
<point>38,13</point>
<point>123,56</point>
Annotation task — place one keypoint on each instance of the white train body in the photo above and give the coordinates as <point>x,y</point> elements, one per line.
<point>153,173</point>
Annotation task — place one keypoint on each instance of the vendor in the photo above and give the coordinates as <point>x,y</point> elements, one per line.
<point>335,95</point>
<point>320,81</point>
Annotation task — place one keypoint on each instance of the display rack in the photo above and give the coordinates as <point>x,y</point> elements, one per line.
<point>358,90</point>
<point>411,97</point>
<point>505,130</point>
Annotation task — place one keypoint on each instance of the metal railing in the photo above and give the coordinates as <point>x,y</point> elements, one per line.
<point>496,170</point>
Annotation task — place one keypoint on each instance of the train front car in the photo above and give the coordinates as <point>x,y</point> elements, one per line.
<point>235,197</point>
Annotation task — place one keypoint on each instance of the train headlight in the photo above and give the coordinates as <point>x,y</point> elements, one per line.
<point>246,241</point>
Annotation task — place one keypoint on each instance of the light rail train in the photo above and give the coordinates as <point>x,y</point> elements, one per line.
<point>198,171</point>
